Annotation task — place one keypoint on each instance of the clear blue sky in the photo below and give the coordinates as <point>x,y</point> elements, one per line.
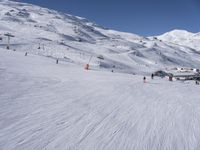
<point>144,17</point>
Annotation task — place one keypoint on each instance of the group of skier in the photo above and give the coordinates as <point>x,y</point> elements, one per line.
<point>152,77</point>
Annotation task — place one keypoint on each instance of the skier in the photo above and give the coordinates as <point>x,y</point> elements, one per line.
<point>144,79</point>
<point>170,78</point>
<point>26,54</point>
<point>87,67</point>
<point>197,83</point>
<point>152,76</point>
<point>56,61</point>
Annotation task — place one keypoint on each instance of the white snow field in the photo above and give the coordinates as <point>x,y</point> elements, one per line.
<point>49,106</point>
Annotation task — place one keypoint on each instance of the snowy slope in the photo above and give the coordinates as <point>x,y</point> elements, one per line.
<point>182,37</point>
<point>49,106</point>
<point>76,39</point>
<point>44,106</point>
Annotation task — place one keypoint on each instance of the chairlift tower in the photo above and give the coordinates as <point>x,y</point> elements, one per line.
<point>43,47</point>
<point>8,35</point>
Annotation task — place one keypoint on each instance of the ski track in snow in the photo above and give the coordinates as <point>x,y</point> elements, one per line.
<point>45,106</point>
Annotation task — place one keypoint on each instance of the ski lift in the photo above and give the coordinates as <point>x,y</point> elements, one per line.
<point>8,35</point>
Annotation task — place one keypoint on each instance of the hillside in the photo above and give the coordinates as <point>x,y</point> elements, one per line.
<point>48,106</point>
<point>74,39</point>
<point>182,37</point>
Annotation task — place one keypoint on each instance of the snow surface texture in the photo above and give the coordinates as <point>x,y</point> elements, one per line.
<point>76,39</point>
<point>49,106</point>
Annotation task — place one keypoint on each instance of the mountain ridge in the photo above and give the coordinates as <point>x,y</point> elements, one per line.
<point>59,35</point>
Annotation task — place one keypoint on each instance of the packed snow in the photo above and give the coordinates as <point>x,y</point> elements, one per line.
<point>46,105</point>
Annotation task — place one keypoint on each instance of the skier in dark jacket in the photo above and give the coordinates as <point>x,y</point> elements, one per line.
<point>152,76</point>
<point>144,79</point>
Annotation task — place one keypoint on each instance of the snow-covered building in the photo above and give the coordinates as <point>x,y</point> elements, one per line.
<point>180,73</point>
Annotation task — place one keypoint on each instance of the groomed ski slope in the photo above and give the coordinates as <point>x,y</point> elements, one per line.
<point>44,106</point>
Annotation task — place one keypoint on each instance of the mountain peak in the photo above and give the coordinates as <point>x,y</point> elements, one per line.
<point>182,37</point>
<point>178,33</point>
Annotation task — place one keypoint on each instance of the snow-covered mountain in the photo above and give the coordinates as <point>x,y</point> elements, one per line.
<point>182,37</point>
<point>70,38</point>
<point>49,106</point>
